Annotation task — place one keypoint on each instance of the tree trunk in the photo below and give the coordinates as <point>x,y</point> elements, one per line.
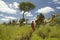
<point>23,15</point>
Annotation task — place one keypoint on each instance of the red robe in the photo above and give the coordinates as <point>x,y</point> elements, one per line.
<point>32,25</point>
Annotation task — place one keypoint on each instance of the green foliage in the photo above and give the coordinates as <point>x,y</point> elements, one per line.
<point>53,39</point>
<point>35,37</point>
<point>22,21</point>
<point>26,6</point>
<point>46,33</point>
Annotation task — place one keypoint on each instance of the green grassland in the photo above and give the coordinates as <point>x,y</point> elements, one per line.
<point>15,32</point>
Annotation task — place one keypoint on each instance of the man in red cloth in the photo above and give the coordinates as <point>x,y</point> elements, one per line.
<point>32,25</point>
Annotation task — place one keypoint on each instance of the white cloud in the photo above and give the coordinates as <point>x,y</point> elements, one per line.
<point>56,1</point>
<point>29,14</point>
<point>4,19</point>
<point>23,12</point>
<point>10,5</point>
<point>57,7</point>
<point>32,19</point>
<point>15,4</point>
<point>45,10</point>
<point>9,17</point>
<point>49,2</point>
<point>26,12</point>
<point>1,14</point>
<point>5,8</point>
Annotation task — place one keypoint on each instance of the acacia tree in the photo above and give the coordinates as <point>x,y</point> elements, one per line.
<point>25,6</point>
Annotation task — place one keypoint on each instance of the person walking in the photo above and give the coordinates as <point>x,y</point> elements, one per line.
<point>33,26</point>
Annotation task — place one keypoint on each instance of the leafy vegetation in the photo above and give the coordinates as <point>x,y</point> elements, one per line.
<point>9,32</point>
<point>46,33</point>
<point>26,7</point>
<point>15,32</point>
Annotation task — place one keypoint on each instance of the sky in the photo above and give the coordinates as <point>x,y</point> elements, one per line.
<point>9,9</point>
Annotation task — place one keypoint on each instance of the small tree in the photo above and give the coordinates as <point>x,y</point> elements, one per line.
<point>21,21</point>
<point>9,22</point>
<point>13,21</point>
<point>25,6</point>
<point>26,21</point>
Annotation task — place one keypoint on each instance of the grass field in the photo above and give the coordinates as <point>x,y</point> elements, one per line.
<point>15,32</point>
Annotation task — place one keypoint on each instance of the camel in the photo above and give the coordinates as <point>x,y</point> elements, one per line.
<point>50,19</point>
<point>46,20</point>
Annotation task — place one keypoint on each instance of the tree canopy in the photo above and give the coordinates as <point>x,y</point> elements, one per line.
<point>26,6</point>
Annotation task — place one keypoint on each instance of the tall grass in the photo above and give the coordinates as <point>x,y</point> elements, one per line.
<point>46,33</point>
<point>11,32</point>
<point>15,32</point>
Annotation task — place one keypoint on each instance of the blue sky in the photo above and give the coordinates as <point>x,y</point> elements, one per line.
<point>9,9</point>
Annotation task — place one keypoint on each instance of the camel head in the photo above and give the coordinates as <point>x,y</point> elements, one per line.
<point>50,19</point>
<point>54,15</point>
